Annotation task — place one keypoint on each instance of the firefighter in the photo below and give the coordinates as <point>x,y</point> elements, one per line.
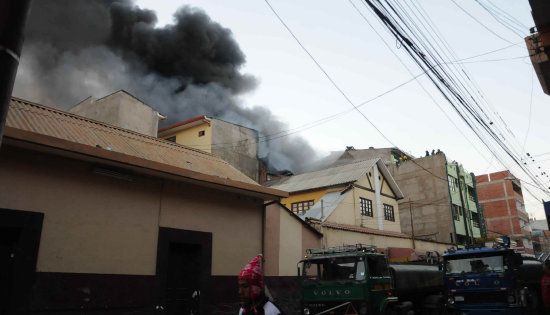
<point>251,290</point>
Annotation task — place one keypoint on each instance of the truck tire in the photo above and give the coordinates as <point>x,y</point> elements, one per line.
<point>405,308</point>
<point>433,305</point>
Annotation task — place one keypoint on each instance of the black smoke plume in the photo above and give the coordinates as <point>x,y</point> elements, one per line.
<point>77,48</point>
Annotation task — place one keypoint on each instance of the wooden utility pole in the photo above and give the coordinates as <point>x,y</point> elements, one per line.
<point>412,223</point>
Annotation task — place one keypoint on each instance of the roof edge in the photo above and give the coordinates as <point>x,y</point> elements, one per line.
<point>183,123</point>
<point>103,154</point>
<point>307,225</point>
<point>73,115</point>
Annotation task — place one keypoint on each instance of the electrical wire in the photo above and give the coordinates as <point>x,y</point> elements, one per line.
<point>497,16</point>
<point>479,22</point>
<point>530,108</point>
<point>445,83</point>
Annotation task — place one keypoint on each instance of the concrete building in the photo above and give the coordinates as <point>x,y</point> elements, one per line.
<point>541,236</point>
<point>501,196</point>
<point>233,143</point>
<point>351,203</point>
<point>389,156</point>
<point>95,218</point>
<point>538,44</point>
<point>121,109</point>
<point>286,239</point>
<point>440,200</point>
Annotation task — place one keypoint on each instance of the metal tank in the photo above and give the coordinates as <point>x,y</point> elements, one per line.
<point>416,277</point>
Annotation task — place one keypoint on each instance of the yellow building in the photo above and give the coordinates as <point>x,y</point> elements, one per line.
<point>351,203</point>
<point>235,144</point>
<point>195,133</point>
<point>360,194</point>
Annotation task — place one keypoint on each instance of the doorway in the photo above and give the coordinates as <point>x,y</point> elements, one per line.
<point>183,271</point>
<point>19,241</point>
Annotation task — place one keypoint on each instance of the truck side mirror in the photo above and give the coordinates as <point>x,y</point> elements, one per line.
<point>440,266</point>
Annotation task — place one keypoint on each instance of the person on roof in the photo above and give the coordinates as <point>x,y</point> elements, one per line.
<point>251,290</point>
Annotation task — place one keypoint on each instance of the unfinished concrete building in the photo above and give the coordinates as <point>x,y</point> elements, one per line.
<point>121,109</point>
<point>440,201</point>
<point>442,209</point>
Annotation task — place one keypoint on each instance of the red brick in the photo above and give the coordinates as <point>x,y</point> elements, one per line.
<point>495,209</point>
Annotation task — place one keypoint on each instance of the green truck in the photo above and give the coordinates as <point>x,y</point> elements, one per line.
<point>356,279</point>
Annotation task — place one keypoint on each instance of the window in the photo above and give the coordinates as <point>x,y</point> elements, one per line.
<point>475,264</point>
<point>172,139</point>
<point>453,183</point>
<point>471,194</point>
<point>378,266</point>
<point>301,206</point>
<point>366,206</point>
<point>456,212</point>
<point>516,188</point>
<point>201,133</point>
<point>475,220</point>
<point>388,213</point>
<point>335,269</point>
<point>520,206</point>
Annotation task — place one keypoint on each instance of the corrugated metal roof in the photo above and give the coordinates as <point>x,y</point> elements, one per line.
<point>52,122</point>
<point>328,177</point>
<point>325,206</point>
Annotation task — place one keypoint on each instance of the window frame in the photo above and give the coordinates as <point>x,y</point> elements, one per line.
<point>389,213</point>
<point>301,207</point>
<point>365,206</point>
<point>456,212</point>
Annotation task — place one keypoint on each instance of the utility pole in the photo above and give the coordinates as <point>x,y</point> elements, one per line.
<point>412,223</point>
<point>463,207</point>
<point>13,14</point>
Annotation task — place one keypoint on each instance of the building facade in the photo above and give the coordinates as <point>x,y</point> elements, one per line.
<point>121,109</point>
<point>440,200</point>
<point>233,143</point>
<point>96,218</point>
<point>352,203</point>
<point>501,196</point>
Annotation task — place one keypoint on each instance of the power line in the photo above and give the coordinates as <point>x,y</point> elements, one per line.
<point>514,29</point>
<point>337,87</point>
<point>451,90</point>
<point>484,26</point>
<point>493,60</point>
<point>530,107</point>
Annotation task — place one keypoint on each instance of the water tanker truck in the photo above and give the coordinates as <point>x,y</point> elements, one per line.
<point>493,280</point>
<point>356,279</point>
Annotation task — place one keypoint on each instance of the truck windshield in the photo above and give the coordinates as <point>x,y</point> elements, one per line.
<point>334,269</point>
<point>487,264</point>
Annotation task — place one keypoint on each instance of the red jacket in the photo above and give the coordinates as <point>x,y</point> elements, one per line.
<point>545,286</point>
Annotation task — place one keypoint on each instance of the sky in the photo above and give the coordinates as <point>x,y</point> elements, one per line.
<point>359,62</point>
<point>350,58</point>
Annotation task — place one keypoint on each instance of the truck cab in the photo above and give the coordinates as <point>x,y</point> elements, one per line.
<point>343,280</point>
<point>356,279</point>
<point>490,280</point>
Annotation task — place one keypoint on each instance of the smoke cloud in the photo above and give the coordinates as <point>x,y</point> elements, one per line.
<point>77,48</point>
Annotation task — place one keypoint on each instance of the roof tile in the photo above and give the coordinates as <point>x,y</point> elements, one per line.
<point>52,122</point>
